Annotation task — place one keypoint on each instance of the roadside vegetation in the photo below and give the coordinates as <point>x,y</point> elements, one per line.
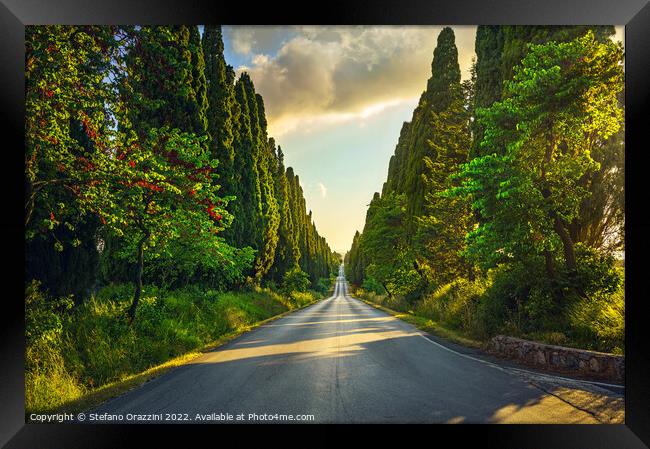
<point>503,209</point>
<point>471,312</point>
<point>159,214</point>
<point>74,351</point>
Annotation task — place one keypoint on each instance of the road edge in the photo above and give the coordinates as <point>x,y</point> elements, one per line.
<point>115,389</point>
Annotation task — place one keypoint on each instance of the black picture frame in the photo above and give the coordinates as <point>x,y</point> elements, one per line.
<point>634,14</point>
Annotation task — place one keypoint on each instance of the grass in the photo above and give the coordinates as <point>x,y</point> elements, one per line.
<point>77,359</point>
<point>428,325</point>
<point>470,314</point>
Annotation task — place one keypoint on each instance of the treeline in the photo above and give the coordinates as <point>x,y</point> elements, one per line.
<point>148,159</point>
<point>503,208</point>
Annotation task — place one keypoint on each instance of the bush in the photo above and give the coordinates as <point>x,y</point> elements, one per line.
<point>323,286</point>
<point>47,380</point>
<point>295,280</point>
<point>72,351</point>
<point>370,284</point>
<point>597,272</point>
<point>598,322</point>
<point>454,304</point>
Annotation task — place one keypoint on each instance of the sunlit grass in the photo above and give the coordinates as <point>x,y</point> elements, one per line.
<point>94,354</point>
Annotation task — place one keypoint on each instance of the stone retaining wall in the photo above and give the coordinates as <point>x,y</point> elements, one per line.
<point>569,360</point>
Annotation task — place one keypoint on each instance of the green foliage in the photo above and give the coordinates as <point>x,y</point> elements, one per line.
<point>295,280</point>
<point>446,219</point>
<point>597,272</point>
<point>599,322</point>
<point>562,100</point>
<point>43,318</point>
<point>370,284</point>
<point>385,245</point>
<point>324,285</point>
<point>75,351</point>
<point>454,304</point>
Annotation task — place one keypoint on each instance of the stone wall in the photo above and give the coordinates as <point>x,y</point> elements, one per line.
<point>590,364</point>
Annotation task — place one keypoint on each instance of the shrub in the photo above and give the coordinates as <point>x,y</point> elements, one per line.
<point>454,304</point>
<point>370,284</point>
<point>71,351</point>
<point>323,286</point>
<point>597,272</point>
<point>598,322</point>
<point>295,280</point>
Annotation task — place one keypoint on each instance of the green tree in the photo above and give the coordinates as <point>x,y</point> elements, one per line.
<point>287,254</point>
<point>159,86</point>
<point>221,104</point>
<point>67,130</point>
<point>562,101</point>
<point>385,244</point>
<point>441,231</point>
<point>160,191</point>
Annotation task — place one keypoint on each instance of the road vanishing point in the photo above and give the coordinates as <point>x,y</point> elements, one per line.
<point>343,361</point>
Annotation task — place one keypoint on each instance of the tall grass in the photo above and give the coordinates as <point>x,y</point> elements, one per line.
<point>72,351</point>
<point>488,306</point>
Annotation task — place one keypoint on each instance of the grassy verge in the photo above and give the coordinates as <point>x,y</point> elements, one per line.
<point>85,356</point>
<point>428,325</point>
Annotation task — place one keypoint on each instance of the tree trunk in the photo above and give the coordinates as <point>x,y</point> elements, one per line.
<point>569,255</point>
<point>567,244</point>
<point>138,278</point>
<point>550,272</point>
<point>390,295</point>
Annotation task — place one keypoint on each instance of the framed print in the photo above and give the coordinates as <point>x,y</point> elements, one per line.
<point>415,213</point>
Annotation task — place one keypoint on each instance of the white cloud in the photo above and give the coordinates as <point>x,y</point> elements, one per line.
<point>323,189</point>
<point>325,74</point>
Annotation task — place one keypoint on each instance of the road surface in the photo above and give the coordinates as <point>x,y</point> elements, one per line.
<point>342,361</point>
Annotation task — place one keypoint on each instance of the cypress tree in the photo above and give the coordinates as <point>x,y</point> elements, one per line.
<point>488,87</point>
<point>441,88</point>
<point>286,256</point>
<point>245,176</point>
<point>221,100</point>
<point>199,83</point>
<point>160,67</point>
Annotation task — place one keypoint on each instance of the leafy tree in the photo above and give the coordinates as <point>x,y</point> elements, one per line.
<point>601,221</point>
<point>158,192</point>
<point>67,131</point>
<point>442,229</point>
<point>563,100</point>
<point>385,244</point>
<point>295,280</point>
<point>66,120</point>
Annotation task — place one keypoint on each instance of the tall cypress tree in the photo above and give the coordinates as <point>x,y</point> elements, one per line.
<point>160,67</point>
<point>199,83</point>
<point>286,256</point>
<point>245,175</point>
<point>489,84</point>
<point>441,88</point>
<point>221,102</point>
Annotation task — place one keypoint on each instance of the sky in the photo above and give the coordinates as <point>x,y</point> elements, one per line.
<point>335,100</point>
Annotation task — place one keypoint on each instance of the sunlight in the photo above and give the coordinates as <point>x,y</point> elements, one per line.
<point>310,347</point>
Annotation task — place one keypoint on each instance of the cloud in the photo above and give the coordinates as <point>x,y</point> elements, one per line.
<point>257,39</point>
<point>325,74</point>
<point>323,189</point>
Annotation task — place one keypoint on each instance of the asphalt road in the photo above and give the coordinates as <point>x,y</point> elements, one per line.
<point>340,361</point>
